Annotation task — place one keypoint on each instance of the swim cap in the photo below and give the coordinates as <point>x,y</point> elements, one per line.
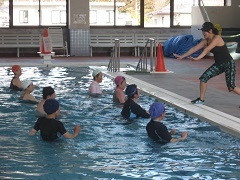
<point>131,90</point>
<point>95,72</point>
<point>47,91</point>
<point>25,84</point>
<point>51,106</point>
<point>15,68</point>
<point>119,79</point>
<point>156,110</point>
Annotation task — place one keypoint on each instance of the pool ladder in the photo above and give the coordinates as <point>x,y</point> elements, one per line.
<point>143,62</point>
<point>114,63</point>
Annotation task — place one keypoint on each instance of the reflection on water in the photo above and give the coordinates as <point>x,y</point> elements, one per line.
<point>108,146</point>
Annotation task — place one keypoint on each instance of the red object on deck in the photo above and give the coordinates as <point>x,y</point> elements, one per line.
<point>160,66</point>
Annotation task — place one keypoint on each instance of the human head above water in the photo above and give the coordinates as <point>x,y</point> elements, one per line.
<point>47,91</point>
<point>207,26</point>
<point>119,79</point>
<point>15,68</point>
<point>156,110</point>
<point>51,106</point>
<point>131,90</point>
<point>96,73</point>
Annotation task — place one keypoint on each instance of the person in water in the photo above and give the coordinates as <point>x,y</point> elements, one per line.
<point>28,88</point>
<point>94,88</point>
<point>130,108</point>
<point>47,93</point>
<point>16,84</point>
<point>118,95</point>
<point>224,62</point>
<point>50,127</point>
<point>156,130</point>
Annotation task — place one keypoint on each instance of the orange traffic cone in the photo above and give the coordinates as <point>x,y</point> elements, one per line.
<point>160,67</point>
<point>45,34</point>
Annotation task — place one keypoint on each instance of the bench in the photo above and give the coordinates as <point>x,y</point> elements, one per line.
<point>126,40</point>
<point>108,40</point>
<point>56,35</point>
<point>19,41</point>
<point>141,39</point>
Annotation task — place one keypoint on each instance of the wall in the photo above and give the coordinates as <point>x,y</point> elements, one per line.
<point>79,27</point>
<point>225,16</point>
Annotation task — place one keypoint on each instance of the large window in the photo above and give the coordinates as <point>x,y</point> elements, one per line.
<point>4,13</point>
<point>144,13</point>
<point>182,12</point>
<point>155,13</point>
<point>114,12</point>
<point>52,12</point>
<point>33,13</point>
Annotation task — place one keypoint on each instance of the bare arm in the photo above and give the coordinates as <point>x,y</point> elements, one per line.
<point>121,96</point>
<point>17,83</point>
<point>184,136</point>
<point>29,97</point>
<point>32,132</point>
<point>192,50</point>
<point>216,40</point>
<point>76,131</point>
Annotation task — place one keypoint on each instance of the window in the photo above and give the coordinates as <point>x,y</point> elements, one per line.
<point>56,9</point>
<point>114,12</point>
<point>182,12</point>
<point>157,13</point>
<point>39,12</point>
<point>31,7</point>
<point>144,13</point>
<point>93,17</point>
<point>4,13</point>
<point>23,16</point>
<point>58,17</point>
<point>127,13</point>
<point>212,3</point>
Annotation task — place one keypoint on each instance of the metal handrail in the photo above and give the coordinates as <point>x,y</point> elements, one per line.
<point>114,62</point>
<point>142,63</point>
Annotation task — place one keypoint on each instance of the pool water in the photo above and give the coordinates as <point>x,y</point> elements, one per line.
<point>108,147</point>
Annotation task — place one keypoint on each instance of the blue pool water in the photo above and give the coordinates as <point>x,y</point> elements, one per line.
<point>107,147</point>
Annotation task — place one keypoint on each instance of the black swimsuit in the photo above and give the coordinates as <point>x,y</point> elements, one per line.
<point>14,87</point>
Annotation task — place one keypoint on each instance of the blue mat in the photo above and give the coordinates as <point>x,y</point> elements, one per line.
<point>180,45</point>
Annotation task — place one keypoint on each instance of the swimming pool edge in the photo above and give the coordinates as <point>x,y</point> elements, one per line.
<point>227,123</point>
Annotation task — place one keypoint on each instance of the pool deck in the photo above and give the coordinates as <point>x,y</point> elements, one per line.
<point>177,89</point>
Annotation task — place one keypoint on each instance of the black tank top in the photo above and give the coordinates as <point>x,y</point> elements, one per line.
<point>13,87</point>
<point>221,54</point>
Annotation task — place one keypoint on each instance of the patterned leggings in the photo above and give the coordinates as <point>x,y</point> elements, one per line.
<point>214,70</point>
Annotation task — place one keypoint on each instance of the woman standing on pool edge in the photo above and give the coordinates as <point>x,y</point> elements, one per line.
<point>224,62</point>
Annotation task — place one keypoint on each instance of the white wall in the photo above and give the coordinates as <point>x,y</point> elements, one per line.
<point>226,16</point>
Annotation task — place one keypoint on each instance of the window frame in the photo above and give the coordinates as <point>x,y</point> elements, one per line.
<point>39,26</point>
<point>142,18</point>
<point>97,26</point>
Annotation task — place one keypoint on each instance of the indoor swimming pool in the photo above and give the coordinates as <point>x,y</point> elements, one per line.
<point>108,147</point>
